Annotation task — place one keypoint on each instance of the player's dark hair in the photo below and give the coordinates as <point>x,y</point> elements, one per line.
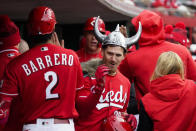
<point>39,39</point>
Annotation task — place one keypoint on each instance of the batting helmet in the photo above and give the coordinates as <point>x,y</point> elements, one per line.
<point>89,25</point>
<point>116,123</point>
<point>41,21</point>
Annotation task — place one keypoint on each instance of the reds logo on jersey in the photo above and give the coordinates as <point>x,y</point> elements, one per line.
<point>112,99</point>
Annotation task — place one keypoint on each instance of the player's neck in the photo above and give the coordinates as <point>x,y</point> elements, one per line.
<point>112,73</point>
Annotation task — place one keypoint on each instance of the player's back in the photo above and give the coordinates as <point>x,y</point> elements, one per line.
<point>47,77</point>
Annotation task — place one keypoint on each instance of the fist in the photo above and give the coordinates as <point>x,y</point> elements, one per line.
<point>101,71</point>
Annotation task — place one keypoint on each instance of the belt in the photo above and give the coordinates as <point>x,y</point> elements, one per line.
<point>56,121</point>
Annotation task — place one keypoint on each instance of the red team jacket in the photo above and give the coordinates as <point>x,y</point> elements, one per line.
<point>83,56</point>
<point>45,78</point>
<point>138,66</point>
<point>117,88</point>
<point>171,104</point>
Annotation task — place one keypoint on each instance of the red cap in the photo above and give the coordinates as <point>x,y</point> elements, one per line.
<point>9,33</point>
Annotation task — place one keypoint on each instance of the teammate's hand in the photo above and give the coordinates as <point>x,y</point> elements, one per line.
<point>123,30</point>
<point>55,40</point>
<point>62,43</point>
<point>101,71</point>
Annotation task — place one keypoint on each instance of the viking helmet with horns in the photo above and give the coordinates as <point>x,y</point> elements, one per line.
<point>116,37</point>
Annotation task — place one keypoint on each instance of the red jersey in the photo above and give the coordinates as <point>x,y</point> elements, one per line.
<point>171,104</point>
<point>84,56</point>
<point>115,97</point>
<point>45,78</point>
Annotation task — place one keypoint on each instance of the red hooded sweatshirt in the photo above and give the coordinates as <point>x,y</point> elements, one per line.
<point>171,104</point>
<point>138,66</point>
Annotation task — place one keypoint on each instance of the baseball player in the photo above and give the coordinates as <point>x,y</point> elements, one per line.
<point>96,105</point>
<point>9,40</point>
<point>45,78</point>
<point>91,47</point>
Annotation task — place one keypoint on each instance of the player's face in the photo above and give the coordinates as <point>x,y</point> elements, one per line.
<point>91,41</point>
<point>112,56</point>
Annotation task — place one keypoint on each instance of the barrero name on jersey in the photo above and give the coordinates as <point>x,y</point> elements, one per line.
<point>47,61</point>
<point>111,99</point>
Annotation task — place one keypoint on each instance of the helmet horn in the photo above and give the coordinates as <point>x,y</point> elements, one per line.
<point>117,28</point>
<point>135,38</point>
<point>100,37</point>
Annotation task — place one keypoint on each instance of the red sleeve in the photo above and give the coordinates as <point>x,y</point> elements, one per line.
<point>8,90</point>
<point>86,100</point>
<point>9,83</point>
<point>80,81</point>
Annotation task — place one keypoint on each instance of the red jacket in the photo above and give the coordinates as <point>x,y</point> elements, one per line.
<point>138,66</point>
<point>171,104</point>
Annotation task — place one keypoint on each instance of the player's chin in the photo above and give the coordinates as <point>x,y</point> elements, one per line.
<point>113,68</point>
<point>94,47</point>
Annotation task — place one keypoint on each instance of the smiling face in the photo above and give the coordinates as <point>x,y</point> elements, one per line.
<point>91,42</point>
<point>112,56</point>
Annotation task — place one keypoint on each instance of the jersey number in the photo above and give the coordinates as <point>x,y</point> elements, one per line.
<point>52,85</point>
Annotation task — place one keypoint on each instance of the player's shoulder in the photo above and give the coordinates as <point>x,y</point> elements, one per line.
<point>15,61</point>
<point>122,77</point>
<point>176,46</point>
<point>80,51</point>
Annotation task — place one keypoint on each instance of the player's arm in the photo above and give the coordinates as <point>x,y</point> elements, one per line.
<point>87,98</point>
<point>8,90</point>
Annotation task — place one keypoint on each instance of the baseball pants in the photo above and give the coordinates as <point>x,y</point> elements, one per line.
<point>49,125</point>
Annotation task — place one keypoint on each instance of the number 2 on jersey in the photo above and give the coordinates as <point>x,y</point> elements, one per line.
<point>52,85</point>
